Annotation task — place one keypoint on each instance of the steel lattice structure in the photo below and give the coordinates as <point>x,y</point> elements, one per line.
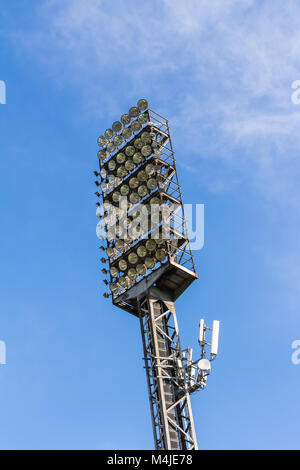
<point>146,277</point>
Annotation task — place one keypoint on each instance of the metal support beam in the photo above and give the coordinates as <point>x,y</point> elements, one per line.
<point>170,405</point>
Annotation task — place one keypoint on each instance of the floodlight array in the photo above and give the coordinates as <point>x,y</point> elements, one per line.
<point>134,169</point>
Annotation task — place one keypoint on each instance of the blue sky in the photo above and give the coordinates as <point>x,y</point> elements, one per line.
<point>221,72</point>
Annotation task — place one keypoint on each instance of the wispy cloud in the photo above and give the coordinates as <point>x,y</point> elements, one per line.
<point>221,71</point>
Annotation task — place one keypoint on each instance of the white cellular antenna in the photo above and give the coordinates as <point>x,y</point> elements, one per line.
<point>214,339</point>
<point>201,332</point>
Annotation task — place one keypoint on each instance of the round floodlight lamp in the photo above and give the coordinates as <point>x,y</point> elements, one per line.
<point>141,269</point>
<point>102,154</point>
<point>130,150</point>
<point>161,254</point>
<point>108,133</point>
<point>150,245</point>
<point>143,118</point>
<point>150,262</point>
<point>122,265</point>
<point>121,157</point>
<point>141,251</point>
<point>137,158</point>
<point>124,190</point>
<point>136,126</point>
<point>146,137</point>
<point>127,133</point>
<point>132,274</point>
<point>123,281</point>
<point>142,190</point>
<point>146,150</point>
<point>125,119</point>
<point>118,140</point>
<point>111,165</point>
<point>102,141</point>
<point>142,104</point>
<point>151,184</point>
<point>114,272</point>
<point>133,258</point>
<point>117,126</point>
<point>134,111</point>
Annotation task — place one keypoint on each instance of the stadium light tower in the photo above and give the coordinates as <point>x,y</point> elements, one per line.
<point>149,263</point>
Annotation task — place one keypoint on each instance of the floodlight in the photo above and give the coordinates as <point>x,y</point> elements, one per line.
<point>111,165</point>
<point>151,245</point>
<point>117,126</point>
<point>141,251</point>
<point>151,184</point>
<point>125,118</point>
<point>97,183</point>
<point>121,171</point>
<point>97,194</point>
<point>142,175</point>
<point>129,165</point>
<point>133,183</point>
<point>138,143</point>
<point>137,158</point>
<point>113,286</point>
<point>133,258</point>
<point>155,200</point>
<point>146,150</point>
<point>118,140</point>
<point>110,251</point>
<point>215,337</point>
<point>142,104</point>
<point>119,245</point>
<point>134,111</point>
<point>120,157</point>
<point>130,150</point>
<point>143,118</point>
<point>124,190</point>
<point>150,262</point>
<point>116,196</point>
<point>136,126</point>
<point>141,269</point>
<point>150,169</point>
<point>142,190</point>
<point>122,265</point>
<point>161,254</point>
<point>127,133</point>
<point>132,274</point>
<point>146,137</point>
<point>104,271</point>
<point>111,147</point>
<point>102,141</point>
<point>123,281</point>
<point>114,272</point>
<point>102,154</point>
<point>106,295</point>
<point>108,133</point>
<point>134,198</point>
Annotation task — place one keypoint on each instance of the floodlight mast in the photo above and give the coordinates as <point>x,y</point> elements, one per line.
<point>155,273</point>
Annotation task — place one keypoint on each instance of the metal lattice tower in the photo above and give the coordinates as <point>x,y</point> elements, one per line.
<point>151,265</point>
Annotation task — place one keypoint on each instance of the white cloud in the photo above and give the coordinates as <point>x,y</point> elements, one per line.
<point>221,71</point>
